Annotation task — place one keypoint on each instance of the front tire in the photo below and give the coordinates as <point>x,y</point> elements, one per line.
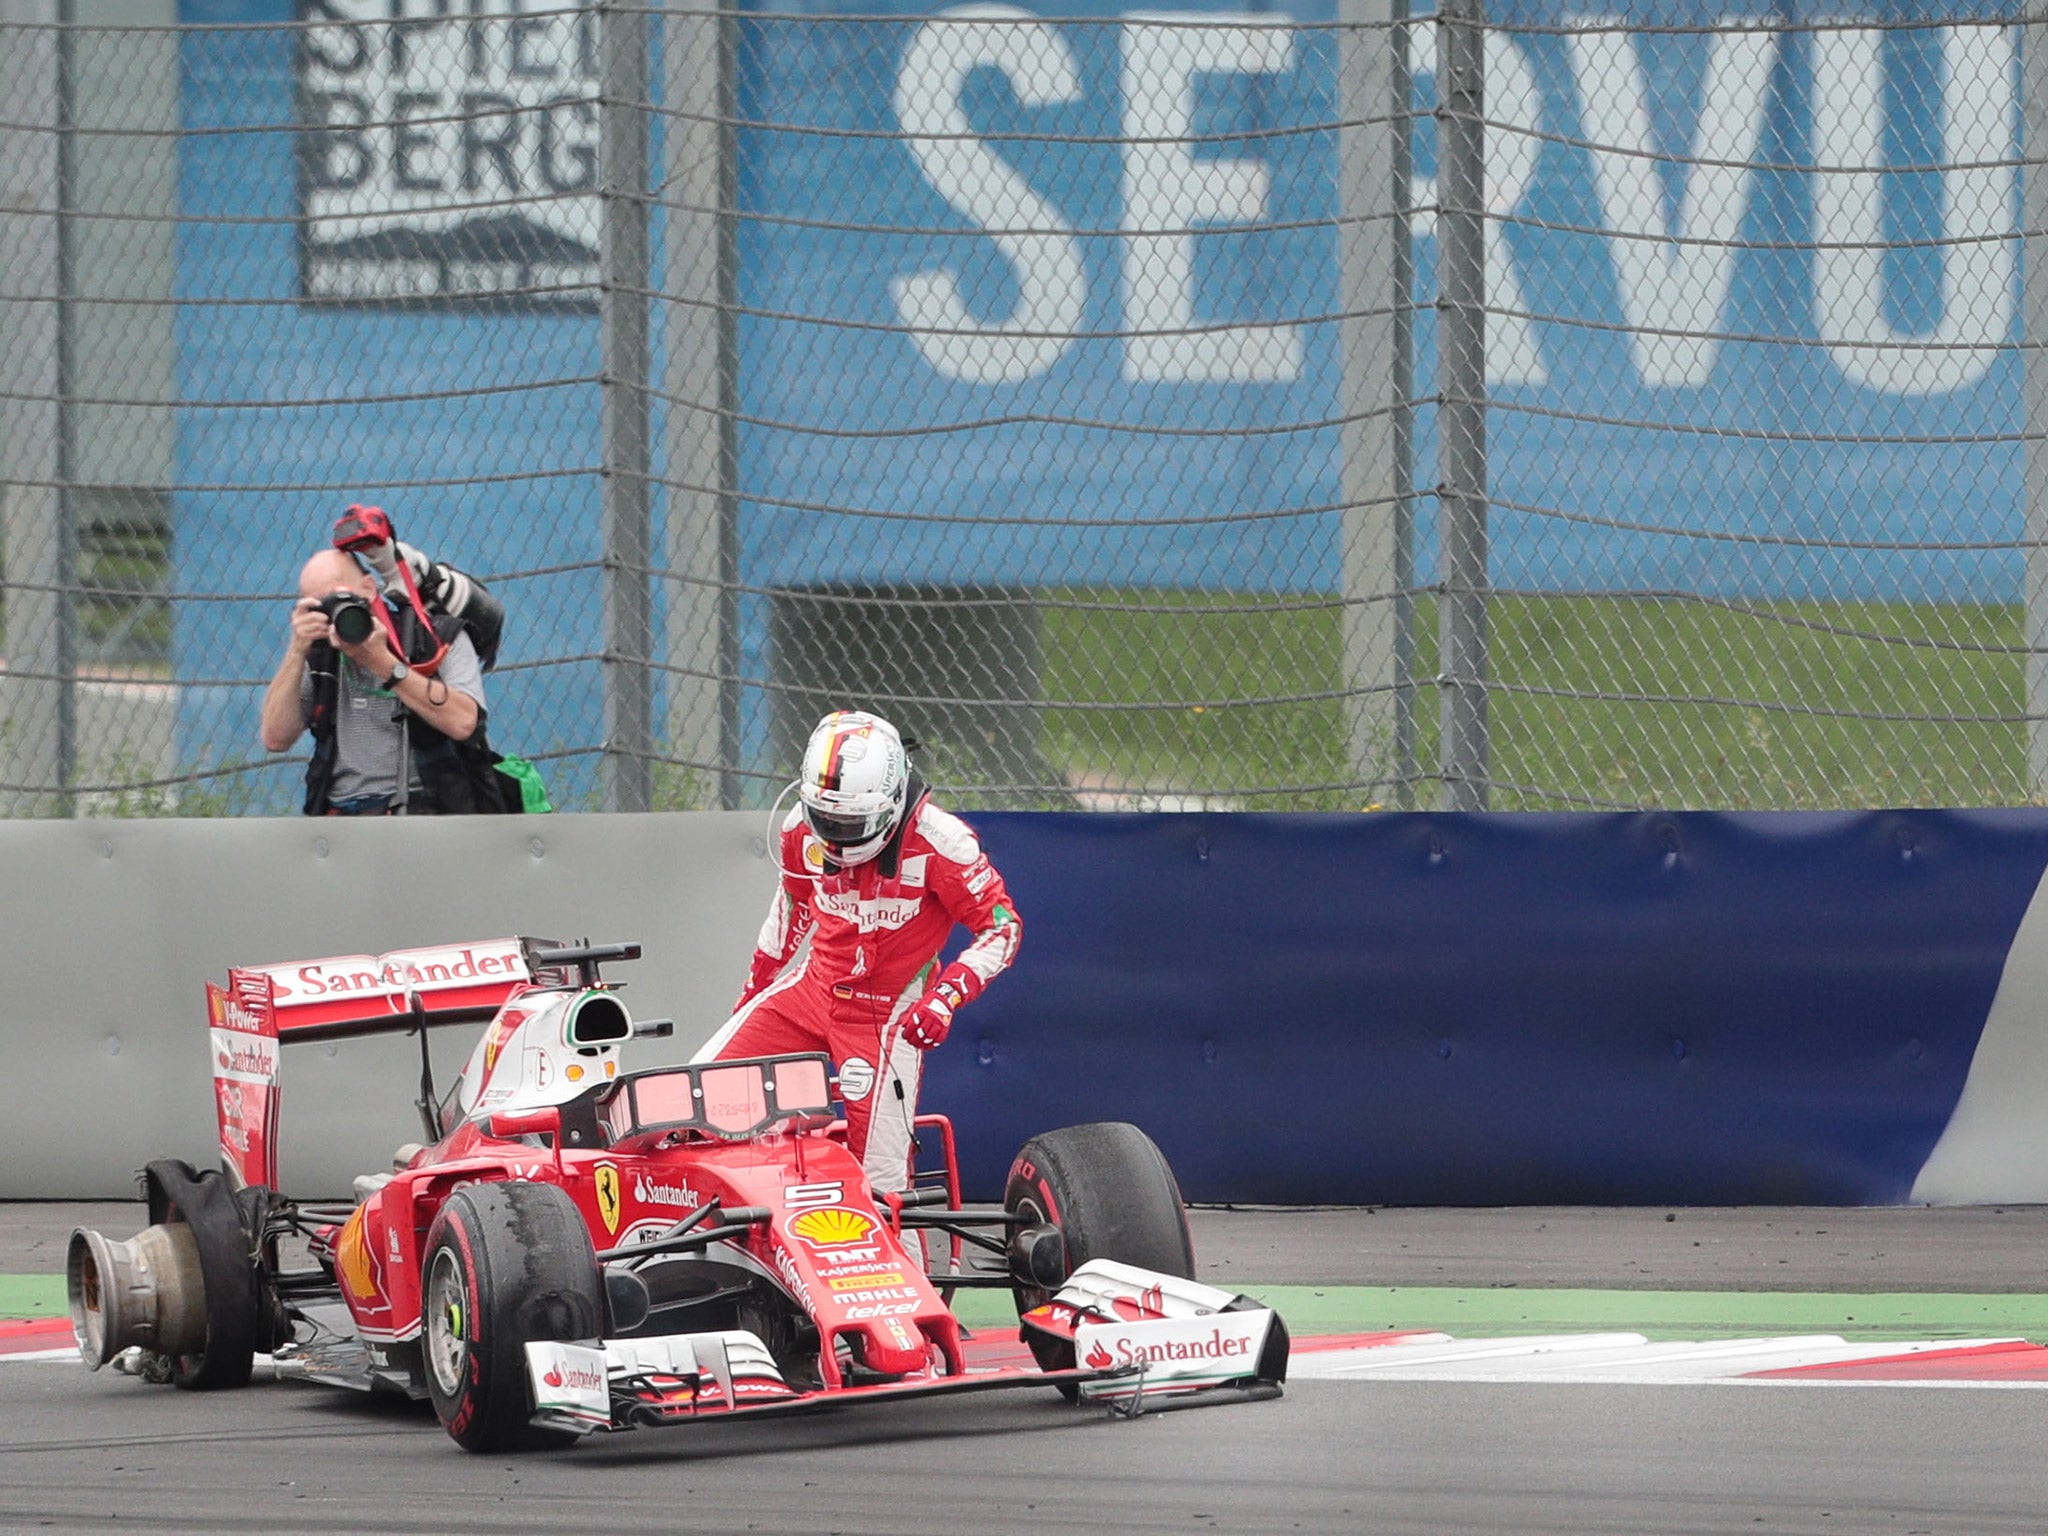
<point>1110,1192</point>
<point>505,1264</point>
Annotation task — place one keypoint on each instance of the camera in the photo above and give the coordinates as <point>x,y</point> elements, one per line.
<point>350,615</point>
<point>428,585</point>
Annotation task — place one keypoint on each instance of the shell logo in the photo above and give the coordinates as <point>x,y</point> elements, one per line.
<point>834,1226</point>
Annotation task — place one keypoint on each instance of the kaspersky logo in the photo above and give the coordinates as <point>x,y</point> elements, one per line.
<point>606,1179</point>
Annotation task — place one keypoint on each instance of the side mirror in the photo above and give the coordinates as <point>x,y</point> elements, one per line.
<point>510,1124</point>
<point>653,1029</point>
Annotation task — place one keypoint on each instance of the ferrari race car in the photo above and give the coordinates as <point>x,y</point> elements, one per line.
<point>581,1248</point>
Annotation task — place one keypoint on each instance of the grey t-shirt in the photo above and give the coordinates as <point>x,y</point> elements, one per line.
<point>366,736</point>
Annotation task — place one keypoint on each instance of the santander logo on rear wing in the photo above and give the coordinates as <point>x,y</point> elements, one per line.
<point>371,994</point>
<point>242,1038</point>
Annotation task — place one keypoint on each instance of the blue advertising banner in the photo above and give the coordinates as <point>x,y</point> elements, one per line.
<point>1100,400</point>
<point>1749,337</point>
<point>1735,296</point>
<point>1045,297</point>
<point>1417,1009</point>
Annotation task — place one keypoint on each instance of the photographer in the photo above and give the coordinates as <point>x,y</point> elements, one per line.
<point>387,705</point>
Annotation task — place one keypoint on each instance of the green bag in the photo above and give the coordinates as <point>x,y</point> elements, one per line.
<point>521,780</point>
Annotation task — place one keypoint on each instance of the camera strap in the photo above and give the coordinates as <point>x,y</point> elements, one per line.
<point>431,664</point>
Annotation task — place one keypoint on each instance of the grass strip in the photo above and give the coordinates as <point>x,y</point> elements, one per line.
<point>1622,700</point>
<point>1502,1313</point>
<point>24,1296</point>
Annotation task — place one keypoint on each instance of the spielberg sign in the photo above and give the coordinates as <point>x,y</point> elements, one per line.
<point>447,153</point>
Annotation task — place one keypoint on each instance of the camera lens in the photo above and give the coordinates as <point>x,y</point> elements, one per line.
<point>350,616</point>
<point>352,624</point>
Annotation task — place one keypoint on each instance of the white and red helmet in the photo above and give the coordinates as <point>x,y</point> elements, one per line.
<point>854,785</point>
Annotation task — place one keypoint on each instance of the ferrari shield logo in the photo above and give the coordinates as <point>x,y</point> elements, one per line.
<point>608,1197</point>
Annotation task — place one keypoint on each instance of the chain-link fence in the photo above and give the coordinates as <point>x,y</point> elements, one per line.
<point>1199,407</point>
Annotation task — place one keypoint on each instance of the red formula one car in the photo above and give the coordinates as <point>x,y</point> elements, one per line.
<point>584,1248</point>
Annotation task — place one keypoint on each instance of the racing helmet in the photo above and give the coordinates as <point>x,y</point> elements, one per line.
<point>854,784</point>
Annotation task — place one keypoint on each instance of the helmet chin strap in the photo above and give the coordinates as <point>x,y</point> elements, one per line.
<point>892,851</point>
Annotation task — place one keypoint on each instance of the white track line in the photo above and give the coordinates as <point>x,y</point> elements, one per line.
<point>1612,1359</point>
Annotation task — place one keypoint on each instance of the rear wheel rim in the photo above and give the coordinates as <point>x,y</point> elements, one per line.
<point>447,1337</point>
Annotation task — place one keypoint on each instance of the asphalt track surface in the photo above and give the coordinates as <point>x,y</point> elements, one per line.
<point>96,1452</point>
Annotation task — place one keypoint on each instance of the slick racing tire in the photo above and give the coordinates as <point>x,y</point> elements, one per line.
<point>205,1202</point>
<point>505,1264</point>
<point>1110,1194</point>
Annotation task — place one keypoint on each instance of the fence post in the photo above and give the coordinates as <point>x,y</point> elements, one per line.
<point>2034,331</point>
<point>1461,391</point>
<point>627,469</point>
<point>1401,94</point>
<point>35,706</point>
<point>697,328</point>
<point>1373,237</point>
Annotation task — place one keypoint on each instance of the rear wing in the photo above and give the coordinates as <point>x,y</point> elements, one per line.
<point>242,1031</point>
<point>265,1006</point>
<point>348,995</point>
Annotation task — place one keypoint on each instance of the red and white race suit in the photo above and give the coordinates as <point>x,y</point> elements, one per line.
<point>875,939</point>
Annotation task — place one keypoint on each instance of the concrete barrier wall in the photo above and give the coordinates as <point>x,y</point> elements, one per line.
<point>1408,1009</point>
<point>110,930</point>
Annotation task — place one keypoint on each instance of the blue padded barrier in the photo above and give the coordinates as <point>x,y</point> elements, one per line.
<point>1683,1008</point>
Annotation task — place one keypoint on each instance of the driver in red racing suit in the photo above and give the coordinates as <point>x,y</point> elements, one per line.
<point>875,875</point>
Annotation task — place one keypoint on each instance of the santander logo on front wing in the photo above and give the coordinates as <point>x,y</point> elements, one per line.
<point>1212,1346</point>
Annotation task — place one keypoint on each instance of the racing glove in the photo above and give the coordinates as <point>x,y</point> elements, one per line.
<point>931,1016</point>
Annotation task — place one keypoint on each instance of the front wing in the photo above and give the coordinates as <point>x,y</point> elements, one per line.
<point>643,1383</point>
<point>1140,1338</point>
